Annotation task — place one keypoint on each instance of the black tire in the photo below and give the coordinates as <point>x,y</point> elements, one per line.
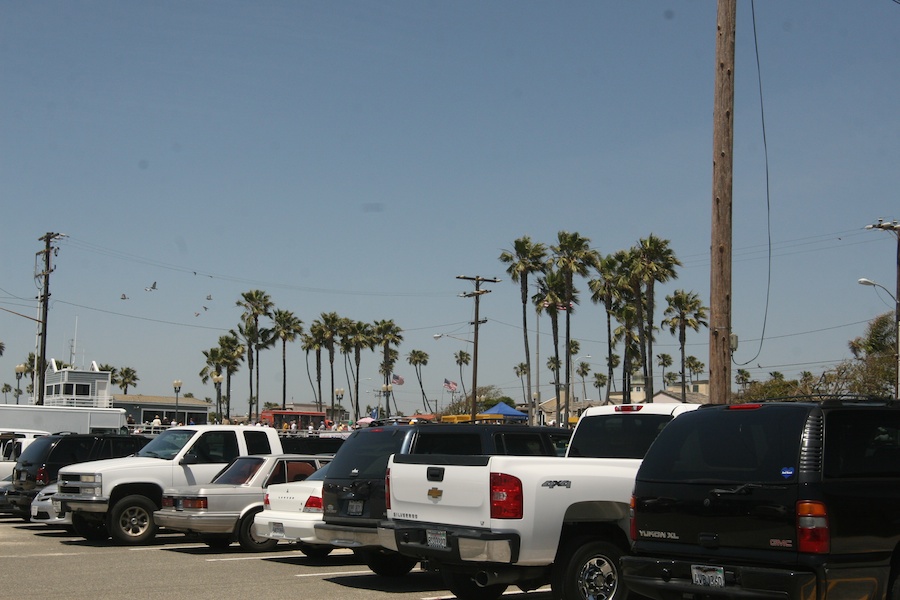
<point>249,540</point>
<point>217,542</point>
<point>93,530</point>
<point>589,570</point>
<point>131,521</point>
<point>387,563</point>
<point>315,550</point>
<point>464,587</point>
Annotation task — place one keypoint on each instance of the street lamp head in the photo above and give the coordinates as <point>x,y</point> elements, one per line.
<point>438,336</point>
<point>177,385</point>
<point>20,369</point>
<point>864,281</point>
<point>217,378</point>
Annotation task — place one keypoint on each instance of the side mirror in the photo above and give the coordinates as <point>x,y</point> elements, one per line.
<point>189,459</point>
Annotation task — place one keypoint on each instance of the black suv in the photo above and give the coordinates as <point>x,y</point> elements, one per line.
<point>770,500</point>
<point>353,491</point>
<point>41,461</point>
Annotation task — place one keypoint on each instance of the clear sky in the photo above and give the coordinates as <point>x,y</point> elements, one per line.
<point>357,156</point>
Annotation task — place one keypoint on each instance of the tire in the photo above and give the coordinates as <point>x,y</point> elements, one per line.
<point>315,550</point>
<point>217,542</point>
<point>464,587</point>
<point>589,570</point>
<point>131,521</point>
<point>93,530</point>
<point>249,540</point>
<point>387,563</point>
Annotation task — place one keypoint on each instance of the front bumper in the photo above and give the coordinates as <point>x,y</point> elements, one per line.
<point>196,523</point>
<point>451,545</point>
<point>72,502</point>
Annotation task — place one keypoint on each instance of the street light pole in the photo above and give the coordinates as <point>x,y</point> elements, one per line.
<point>177,385</point>
<point>893,227</point>
<point>896,300</point>
<point>339,394</point>
<point>20,369</point>
<point>217,381</point>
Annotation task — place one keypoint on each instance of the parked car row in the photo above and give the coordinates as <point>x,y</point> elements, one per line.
<point>771,499</point>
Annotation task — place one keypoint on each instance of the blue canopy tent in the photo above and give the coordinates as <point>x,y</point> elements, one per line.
<point>506,411</point>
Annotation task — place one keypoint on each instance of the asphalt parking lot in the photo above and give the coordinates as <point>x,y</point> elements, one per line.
<point>39,561</point>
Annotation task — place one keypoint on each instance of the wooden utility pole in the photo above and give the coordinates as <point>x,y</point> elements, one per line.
<point>477,295</point>
<point>41,367</point>
<point>720,247</point>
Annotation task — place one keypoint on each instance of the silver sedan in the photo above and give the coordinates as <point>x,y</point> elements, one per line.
<point>222,511</point>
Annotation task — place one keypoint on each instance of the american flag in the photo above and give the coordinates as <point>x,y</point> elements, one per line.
<point>449,385</point>
<point>396,379</point>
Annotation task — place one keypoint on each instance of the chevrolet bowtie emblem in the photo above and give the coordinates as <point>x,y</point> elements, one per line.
<point>435,494</point>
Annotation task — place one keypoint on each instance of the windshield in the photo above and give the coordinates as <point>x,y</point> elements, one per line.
<point>167,444</point>
<point>240,471</point>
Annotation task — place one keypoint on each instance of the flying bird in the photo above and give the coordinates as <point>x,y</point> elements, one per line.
<point>196,314</point>
<point>151,288</point>
<point>205,309</point>
<point>209,296</point>
<point>124,297</point>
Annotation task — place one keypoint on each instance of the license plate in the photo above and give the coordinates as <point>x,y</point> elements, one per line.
<point>277,529</point>
<point>436,538</point>
<point>708,576</point>
<point>355,508</point>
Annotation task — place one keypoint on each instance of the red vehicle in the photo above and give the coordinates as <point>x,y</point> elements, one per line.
<point>304,418</point>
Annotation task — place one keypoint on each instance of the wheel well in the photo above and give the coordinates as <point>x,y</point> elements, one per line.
<point>605,531</point>
<point>151,491</point>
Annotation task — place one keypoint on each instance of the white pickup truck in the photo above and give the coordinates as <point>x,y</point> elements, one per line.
<point>486,522</point>
<point>117,497</point>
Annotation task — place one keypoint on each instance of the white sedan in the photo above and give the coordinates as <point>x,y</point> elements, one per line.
<point>290,512</point>
<point>42,510</point>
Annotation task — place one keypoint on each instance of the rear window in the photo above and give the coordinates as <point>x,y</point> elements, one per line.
<point>240,471</point>
<point>620,435</point>
<point>72,450</point>
<point>37,450</point>
<point>366,453</point>
<point>759,445</point>
<point>862,443</point>
<point>430,442</point>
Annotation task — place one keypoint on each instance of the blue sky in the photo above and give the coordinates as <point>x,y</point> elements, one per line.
<point>357,156</point>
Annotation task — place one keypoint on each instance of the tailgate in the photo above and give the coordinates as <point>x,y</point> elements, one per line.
<point>452,490</point>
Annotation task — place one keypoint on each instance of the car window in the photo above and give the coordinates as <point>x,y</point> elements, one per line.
<point>167,444</point>
<point>240,471</point>
<point>257,442</point>
<point>215,447</point>
<point>365,453</point>
<point>290,470</point>
<point>617,435</point>
<point>71,450</point>
<point>430,442</point>
<point>862,443</point>
<point>37,449</point>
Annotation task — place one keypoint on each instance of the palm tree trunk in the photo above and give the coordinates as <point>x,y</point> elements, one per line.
<point>528,402</point>
<point>681,340</point>
<point>283,374</point>
<point>609,353</point>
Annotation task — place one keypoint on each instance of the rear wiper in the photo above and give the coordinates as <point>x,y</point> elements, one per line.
<point>746,488</point>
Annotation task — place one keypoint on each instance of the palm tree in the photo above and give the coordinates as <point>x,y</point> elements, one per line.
<point>664,361</point>
<point>419,359</point>
<point>386,332</point>
<point>231,355</point>
<point>582,371</point>
<point>605,290</point>
<point>521,371</point>
<point>331,325</point>
<point>600,381</point>
<point>742,378</point>
<point>359,335</point>
<point>554,365</point>
<point>127,378</point>
<point>695,366</point>
<point>113,373</point>
<point>550,298</point>
<point>287,327</point>
<point>5,390</point>
<point>685,310</point>
<point>312,341</point>
<point>214,358</point>
<point>462,358</point>
<point>572,255</point>
<point>256,304</point>
<point>525,259</point>
<point>626,332</point>
<point>654,262</point>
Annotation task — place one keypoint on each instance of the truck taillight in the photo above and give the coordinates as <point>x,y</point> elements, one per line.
<point>41,477</point>
<point>168,502</point>
<point>313,504</point>
<point>387,489</point>
<point>812,528</point>
<point>506,497</point>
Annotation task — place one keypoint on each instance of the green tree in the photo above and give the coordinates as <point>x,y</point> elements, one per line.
<point>6,390</point>
<point>419,359</point>
<point>232,353</point>
<point>684,311</point>
<point>600,381</point>
<point>655,262</point>
<point>521,371</point>
<point>256,304</point>
<point>742,378</point>
<point>312,342</point>
<point>550,298</point>
<point>572,255</point>
<point>286,328</point>
<point>127,378</point>
<point>664,361</point>
<point>331,324</point>
<point>462,358</point>
<point>113,373</point>
<point>583,371</point>
<point>359,336</point>
<point>386,333</point>
<point>526,258</point>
